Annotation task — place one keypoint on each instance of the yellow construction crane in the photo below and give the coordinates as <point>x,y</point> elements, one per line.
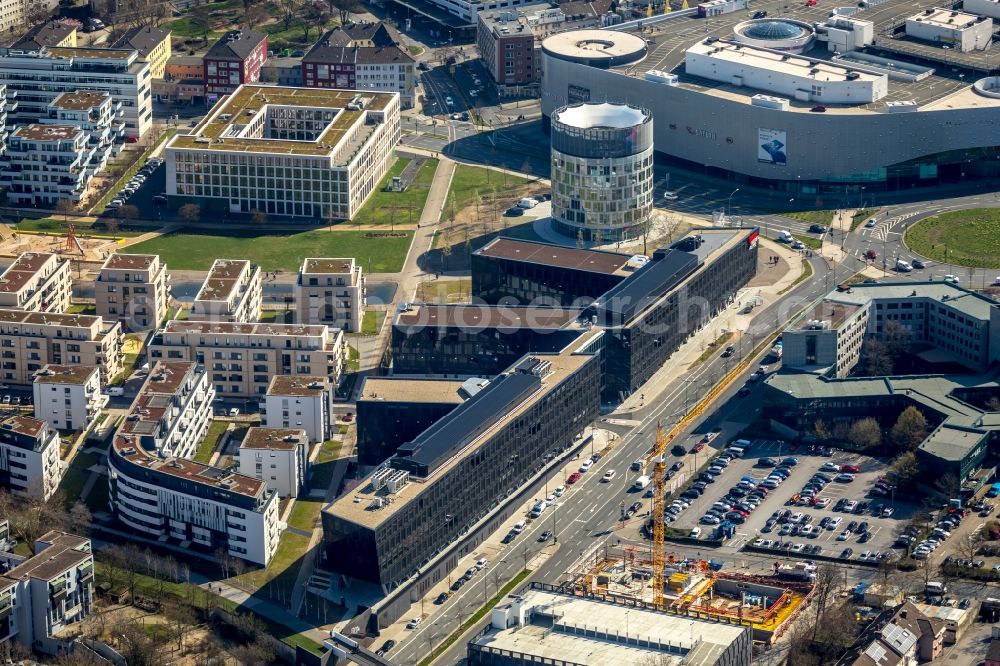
<point>659,455</point>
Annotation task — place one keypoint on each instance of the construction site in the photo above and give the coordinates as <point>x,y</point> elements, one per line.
<point>695,588</point>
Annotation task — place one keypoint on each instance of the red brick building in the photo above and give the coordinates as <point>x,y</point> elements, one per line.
<point>235,59</point>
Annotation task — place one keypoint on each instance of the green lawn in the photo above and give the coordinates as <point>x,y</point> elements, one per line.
<point>861,216</point>
<point>284,566</point>
<point>82,308</point>
<point>128,363</point>
<point>372,322</point>
<point>279,38</point>
<point>470,182</point>
<point>223,14</point>
<point>216,430</point>
<point>276,316</point>
<point>353,359</point>
<point>305,513</point>
<point>824,217</point>
<point>810,242</point>
<point>968,237</point>
<point>444,291</point>
<point>279,251</point>
<point>76,476</point>
<point>398,207</point>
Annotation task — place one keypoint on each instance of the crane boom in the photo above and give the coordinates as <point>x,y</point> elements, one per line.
<point>659,474</point>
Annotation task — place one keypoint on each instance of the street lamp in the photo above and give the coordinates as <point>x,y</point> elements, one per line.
<point>729,205</point>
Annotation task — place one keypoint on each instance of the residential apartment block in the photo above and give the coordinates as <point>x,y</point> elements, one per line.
<point>68,397</point>
<point>31,340</point>
<point>363,56</point>
<point>297,152</point>
<point>45,594</point>
<point>509,38</point>
<point>30,465</point>
<point>39,76</point>
<point>55,158</point>
<point>153,45</point>
<point>235,59</point>
<point>277,456</point>
<point>37,281</point>
<point>300,402</point>
<point>157,492</point>
<point>12,14</point>
<point>231,292</point>
<point>50,33</point>
<point>134,289</point>
<point>331,292</point>
<point>241,359</point>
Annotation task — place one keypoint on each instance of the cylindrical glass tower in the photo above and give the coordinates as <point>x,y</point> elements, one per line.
<point>602,171</point>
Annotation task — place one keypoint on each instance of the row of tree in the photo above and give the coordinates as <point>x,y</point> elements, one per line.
<point>864,434</point>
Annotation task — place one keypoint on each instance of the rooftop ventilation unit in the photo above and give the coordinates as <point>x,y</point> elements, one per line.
<point>397,481</point>
<point>380,477</point>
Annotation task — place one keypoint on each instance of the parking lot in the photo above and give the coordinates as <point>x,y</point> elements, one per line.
<point>882,531</point>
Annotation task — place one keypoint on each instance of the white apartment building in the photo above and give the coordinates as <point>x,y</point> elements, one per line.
<point>31,340</point>
<point>231,292</point>
<point>55,158</point>
<point>134,289</point>
<point>45,164</point>
<point>39,77</point>
<point>241,359</point>
<point>48,592</point>
<point>300,402</point>
<point>299,152</point>
<point>68,397</point>
<point>156,491</point>
<point>30,465</point>
<point>277,456</point>
<point>37,281</point>
<point>13,16</point>
<point>331,292</point>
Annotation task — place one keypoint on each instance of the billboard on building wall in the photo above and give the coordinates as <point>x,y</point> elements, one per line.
<point>771,146</point>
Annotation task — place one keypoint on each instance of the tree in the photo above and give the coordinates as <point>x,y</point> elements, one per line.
<point>344,9</point>
<point>865,433</point>
<point>897,339</point>
<point>181,619</point>
<point>256,653</point>
<point>827,582</point>
<point>128,212</point>
<point>258,216</point>
<point>80,518</point>
<point>948,484</point>
<point>64,207</point>
<point>289,11</point>
<point>877,362</point>
<point>137,647</point>
<point>910,429</point>
<point>313,15</point>
<point>253,16</point>
<point>189,213</point>
<point>200,18</point>
<point>968,545</point>
<point>904,469</point>
<point>821,430</point>
<point>993,404</point>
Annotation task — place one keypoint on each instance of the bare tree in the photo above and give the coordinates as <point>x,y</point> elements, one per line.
<point>189,213</point>
<point>827,583</point>
<point>64,207</point>
<point>876,359</point>
<point>993,404</point>
<point>253,16</point>
<point>968,545</point>
<point>80,518</point>
<point>311,15</point>
<point>181,620</point>
<point>138,648</point>
<point>344,8</point>
<point>128,212</point>
<point>201,18</point>
<point>289,12</point>
<point>821,430</point>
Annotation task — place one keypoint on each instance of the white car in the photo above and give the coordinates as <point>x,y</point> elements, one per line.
<point>843,536</point>
<point>695,532</point>
<point>834,524</point>
<point>850,505</point>
<point>234,411</point>
<point>871,222</point>
<point>449,101</point>
<point>951,278</point>
<point>412,624</point>
<point>830,467</point>
<point>822,503</point>
<point>610,474</point>
<point>481,563</point>
<point>710,520</point>
<point>670,196</point>
<point>586,465</point>
<point>558,492</point>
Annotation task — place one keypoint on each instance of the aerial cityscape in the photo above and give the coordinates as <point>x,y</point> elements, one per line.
<point>499,333</point>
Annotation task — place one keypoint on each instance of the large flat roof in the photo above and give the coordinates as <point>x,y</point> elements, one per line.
<point>122,261</point>
<point>646,628</point>
<point>54,373</point>
<point>356,505</point>
<point>826,310</point>
<point>223,280</point>
<point>666,53</point>
<point>779,63</point>
<point>596,261</point>
<point>969,302</point>
<point>950,443</point>
<point>239,328</point>
<point>12,316</point>
<point>247,100</point>
<point>399,389</point>
<point>486,316</point>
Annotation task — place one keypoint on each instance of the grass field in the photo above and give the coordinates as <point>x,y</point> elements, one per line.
<point>861,216</point>
<point>824,217</point>
<point>372,322</point>
<point>305,513</point>
<point>398,207</point>
<point>810,242</point>
<point>470,182</point>
<point>216,430</point>
<point>279,251</point>
<point>444,291</point>
<point>965,237</point>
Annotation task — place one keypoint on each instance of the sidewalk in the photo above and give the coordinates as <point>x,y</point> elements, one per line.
<point>732,319</point>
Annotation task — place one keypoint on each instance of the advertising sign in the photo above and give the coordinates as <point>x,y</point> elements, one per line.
<point>771,146</point>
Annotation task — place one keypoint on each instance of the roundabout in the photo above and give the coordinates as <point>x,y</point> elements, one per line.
<point>969,237</point>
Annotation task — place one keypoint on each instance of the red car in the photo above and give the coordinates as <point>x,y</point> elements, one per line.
<point>573,478</point>
<point>697,447</point>
<point>853,469</point>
